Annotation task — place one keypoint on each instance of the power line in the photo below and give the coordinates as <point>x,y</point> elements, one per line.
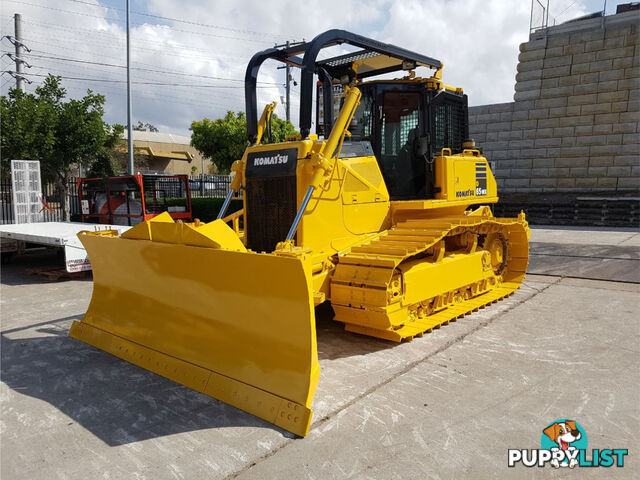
<point>96,70</point>
<point>167,43</point>
<point>118,83</point>
<point>63,11</point>
<point>53,56</point>
<point>114,35</point>
<point>142,83</point>
<point>58,41</point>
<point>65,43</point>
<point>189,22</point>
<point>192,32</point>
<point>571,5</point>
<point>232,94</point>
<point>53,40</point>
<point>147,69</point>
<point>146,95</point>
<point>4,29</point>
<point>234,102</point>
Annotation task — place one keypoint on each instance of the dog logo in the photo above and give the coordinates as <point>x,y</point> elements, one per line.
<point>565,435</point>
<point>564,444</point>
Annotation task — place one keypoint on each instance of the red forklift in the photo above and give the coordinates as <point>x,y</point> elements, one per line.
<point>131,199</point>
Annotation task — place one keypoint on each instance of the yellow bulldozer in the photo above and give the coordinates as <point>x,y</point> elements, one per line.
<point>383,212</point>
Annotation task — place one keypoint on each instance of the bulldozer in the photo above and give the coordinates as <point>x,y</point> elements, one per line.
<point>384,212</point>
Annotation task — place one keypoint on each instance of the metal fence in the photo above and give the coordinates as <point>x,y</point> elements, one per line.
<point>584,211</point>
<point>207,186</point>
<point>51,201</point>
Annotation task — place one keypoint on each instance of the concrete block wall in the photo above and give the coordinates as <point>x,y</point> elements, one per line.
<point>575,122</point>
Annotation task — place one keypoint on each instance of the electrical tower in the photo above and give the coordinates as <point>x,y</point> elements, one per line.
<point>20,47</point>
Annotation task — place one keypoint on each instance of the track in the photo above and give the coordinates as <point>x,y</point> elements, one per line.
<point>425,273</point>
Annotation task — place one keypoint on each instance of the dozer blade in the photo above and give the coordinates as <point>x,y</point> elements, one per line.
<point>177,300</point>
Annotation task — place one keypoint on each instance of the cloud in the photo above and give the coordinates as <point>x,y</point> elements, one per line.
<point>476,40</point>
<point>203,66</point>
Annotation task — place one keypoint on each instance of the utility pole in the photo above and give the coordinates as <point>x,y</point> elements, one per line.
<point>202,175</point>
<point>129,108</point>
<point>16,57</point>
<point>17,32</point>
<point>288,88</point>
<point>289,78</point>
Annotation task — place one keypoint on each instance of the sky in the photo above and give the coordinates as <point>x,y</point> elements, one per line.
<point>189,57</point>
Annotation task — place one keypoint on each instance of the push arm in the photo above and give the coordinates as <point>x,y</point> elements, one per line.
<point>322,163</point>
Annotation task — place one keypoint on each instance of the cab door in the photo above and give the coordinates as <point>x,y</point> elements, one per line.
<point>400,122</point>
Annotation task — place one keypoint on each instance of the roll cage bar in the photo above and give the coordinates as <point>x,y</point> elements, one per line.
<point>337,67</point>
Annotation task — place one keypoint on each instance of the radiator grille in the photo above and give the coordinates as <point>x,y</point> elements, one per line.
<point>271,209</point>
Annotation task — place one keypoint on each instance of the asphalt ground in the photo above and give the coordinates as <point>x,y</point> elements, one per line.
<point>448,405</point>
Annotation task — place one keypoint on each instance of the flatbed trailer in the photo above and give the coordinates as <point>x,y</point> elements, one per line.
<point>54,234</point>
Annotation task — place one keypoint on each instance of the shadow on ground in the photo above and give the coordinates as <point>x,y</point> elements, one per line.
<point>121,403</point>
<point>113,399</point>
<point>334,342</point>
<point>15,270</point>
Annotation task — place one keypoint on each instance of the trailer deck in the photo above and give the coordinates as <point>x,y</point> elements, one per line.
<point>58,234</point>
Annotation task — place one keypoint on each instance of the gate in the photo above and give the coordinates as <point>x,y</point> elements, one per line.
<point>26,191</point>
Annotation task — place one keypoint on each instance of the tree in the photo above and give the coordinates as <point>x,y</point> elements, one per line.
<point>281,129</point>
<point>102,167</point>
<point>61,135</point>
<point>224,140</point>
<point>143,127</point>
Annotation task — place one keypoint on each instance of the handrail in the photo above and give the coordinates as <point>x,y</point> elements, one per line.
<point>234,218</point>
